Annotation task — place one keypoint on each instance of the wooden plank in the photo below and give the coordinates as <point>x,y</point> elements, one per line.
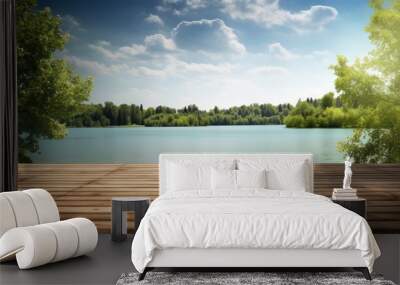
<point>86,189</point>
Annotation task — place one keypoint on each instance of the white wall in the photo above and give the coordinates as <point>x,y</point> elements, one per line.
<point>389,262</point>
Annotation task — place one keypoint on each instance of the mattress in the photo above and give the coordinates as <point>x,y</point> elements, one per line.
<point>250,219</point>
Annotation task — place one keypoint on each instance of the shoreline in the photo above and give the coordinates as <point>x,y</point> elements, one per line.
<point>143,126</point>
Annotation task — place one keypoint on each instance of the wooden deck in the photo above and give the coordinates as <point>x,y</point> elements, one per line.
<point>85,190</point>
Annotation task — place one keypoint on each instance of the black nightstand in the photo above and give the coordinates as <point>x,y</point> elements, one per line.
<point>358,206</point>
<point>120,207</point>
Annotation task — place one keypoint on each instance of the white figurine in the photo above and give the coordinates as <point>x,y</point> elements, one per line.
<point>347,173</point>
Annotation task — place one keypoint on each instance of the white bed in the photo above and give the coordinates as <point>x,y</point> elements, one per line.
<point>280,225</point>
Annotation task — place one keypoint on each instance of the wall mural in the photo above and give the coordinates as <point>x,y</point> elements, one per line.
<point>122,81</point>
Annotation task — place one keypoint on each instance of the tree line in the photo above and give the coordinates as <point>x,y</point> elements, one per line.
<point>325,112</point>
<point>109,114</point>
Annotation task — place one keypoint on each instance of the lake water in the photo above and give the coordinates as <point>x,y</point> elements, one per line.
<point>143,145</point>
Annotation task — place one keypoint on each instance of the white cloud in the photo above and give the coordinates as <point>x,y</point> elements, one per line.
<point>133,49</point>
<point>161,8</point>
<point>268,13</point>
<point>102,47</point>
<point>181,7</point>
<point>154,19</point>
<point>151,43</point>
<point>169,66</point>
<point>211,37</point>
<point>145,71</point>
<point>158,42</point>
<point>98,68</point>
<point>269,70</point>
<point>177,65</point>
<point>265,12</point>
<point>94,66</point>
<point>207,35</point>
<point>172,66</point>
<point>196,4</point>
<point>279,51</point>
<point>171,1</point>
<point>317,17</point>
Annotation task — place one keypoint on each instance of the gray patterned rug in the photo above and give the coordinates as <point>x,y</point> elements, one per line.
<point>269,278</point>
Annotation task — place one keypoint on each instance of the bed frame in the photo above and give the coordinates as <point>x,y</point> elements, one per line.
<point>242,259</point>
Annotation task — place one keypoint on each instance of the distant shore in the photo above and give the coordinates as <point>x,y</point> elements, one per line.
<point>326,112</point>
<point>143,126</point>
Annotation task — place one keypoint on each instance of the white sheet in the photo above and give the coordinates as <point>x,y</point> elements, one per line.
<point>250,219</point>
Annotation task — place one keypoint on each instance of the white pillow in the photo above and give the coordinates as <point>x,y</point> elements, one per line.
<point>292,179</point>
<point>188,177</point>
<point>189,174</point>
<point>251,178</point>
<point>223,179</point>
<point>290,175</point>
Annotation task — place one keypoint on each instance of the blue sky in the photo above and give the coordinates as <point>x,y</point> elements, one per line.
<point>224,53</point>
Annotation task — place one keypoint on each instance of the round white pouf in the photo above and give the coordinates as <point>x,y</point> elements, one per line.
<point>51,242</point>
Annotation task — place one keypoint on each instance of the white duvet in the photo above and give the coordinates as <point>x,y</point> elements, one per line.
<point>250,219</point>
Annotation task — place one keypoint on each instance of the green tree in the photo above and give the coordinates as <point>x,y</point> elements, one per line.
<point>124,115</point>
<point>136,115</point>
<point>356,86</point>
<point>111,112</point>
<point>98,116</point>
<point>384,33</point>
<point>294,121</point>
<point>303,108</point>
<point>268,110</point>
<point>49,92</point>
<point>320,113</point>
<point>335,117</point>
<point>327,100</point>
<point>373,84</point>
<point>149,112</point>
<point>91,115</point>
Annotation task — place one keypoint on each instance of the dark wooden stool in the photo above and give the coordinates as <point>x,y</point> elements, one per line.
<point>120,207</point>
